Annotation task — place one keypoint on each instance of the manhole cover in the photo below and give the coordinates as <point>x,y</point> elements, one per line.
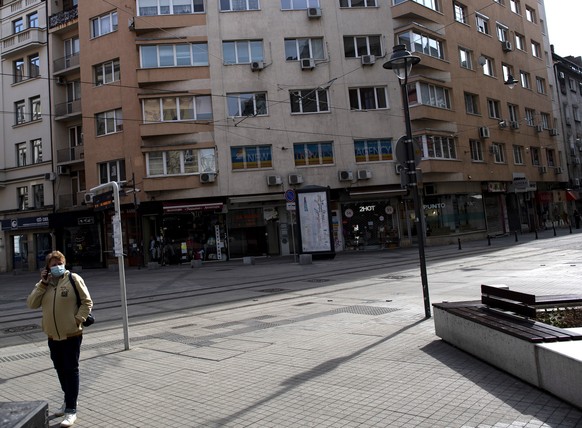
<point>394,277</point>
<point>271,290</point>
<point>317,280</point>
<point>21,328</point>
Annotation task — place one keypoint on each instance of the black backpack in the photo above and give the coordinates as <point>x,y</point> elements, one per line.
<point>90,318</point>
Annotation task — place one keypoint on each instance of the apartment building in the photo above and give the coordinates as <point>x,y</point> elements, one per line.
<point>210,111</point>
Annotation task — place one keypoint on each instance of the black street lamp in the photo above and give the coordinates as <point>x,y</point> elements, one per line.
<point>511,82</point>
<point>401,63</point>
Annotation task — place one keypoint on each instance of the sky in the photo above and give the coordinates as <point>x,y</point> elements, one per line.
<point>563,22</point>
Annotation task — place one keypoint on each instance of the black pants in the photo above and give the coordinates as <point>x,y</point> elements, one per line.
<point>65,356</point>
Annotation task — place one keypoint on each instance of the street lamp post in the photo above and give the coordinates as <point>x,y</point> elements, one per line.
<point>401,63</point>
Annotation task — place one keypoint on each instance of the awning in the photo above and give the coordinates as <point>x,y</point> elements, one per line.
<point>257,198</point>
<point>571,195</point>
<point>177,208</point>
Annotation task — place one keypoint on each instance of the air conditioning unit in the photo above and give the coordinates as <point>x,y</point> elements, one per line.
<point>503,124</point>
<point>88,198</point>
<point>208,177</point>
<point>368,59</point>
<point>295,179</point>
<point>553,132</point>
<point>257,65</point>
<point>307,64</point>
<point>559,170</point>
<point>561,75</point>
<point>50,176</point>
<point>543,169</point>
<point>506,46</point>
<point>345,175</point>
<point>61,81</point>
<point>539,128</point>
<point>364,174</point>
<point>314,12</point>
<point>484,132</point>
<point>63,170</point>
<point>514,124</point>
<point>274,180</point>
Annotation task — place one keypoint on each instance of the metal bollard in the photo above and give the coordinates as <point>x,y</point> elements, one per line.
<point>516,236</point>
<point>536,233</point>
<point>459,239</point>
<point>554,227</point>
<point>488,240</point>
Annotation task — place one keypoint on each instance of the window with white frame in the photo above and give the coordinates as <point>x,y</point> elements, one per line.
<point>517,154</point>
<point>313,153</point>
<point>358,3</point>
<point>506,71</point>
<point>418,42</point>
<point>33,65</point>
<point>108,122</point>
<point>515,6</point>
<point>72,48</point>
<point>466,58</point>
<point>178,55</point>
<point>530,14</point>
<point>437,147</point>
<point>370,98</point>
<point>242,51</point>
<point>460,12</point>
<point>169,7</point>
<point>476,150</point>
<point>22,197</point>
<point>21,154</point>
<point>248,104</point>
<point>471,103</point>
<point>482,23</point>
<point>530,117</point>
<point>75,135</point>
<point>494,108</point>
<point>541,84</point>
<point>20,112</point>
<point>536,49</point>
<point>309,101</point>
<point>525,79</point>
<point>535,156</point>
<point>520,42</point>
<point>169,109</point>
<point>429,94</point>
<point>373,150</point>
<point>498,151</point>
<point>36,146</point>
<point>38,195</point>
<point>104,24</point>
<point>431,4</point>
<point>111,171</point>
<point>513,112</point>
<point>180,162</point>
<point>357,46</point>
<point>488,66</point>
<point>251,157</point>
<point>298,4</point>
<point>106,72</point>
<point>502,32</point>
<point>238,5</point>
<point>545,119</point>
<point>35,112</point>
<point>296,49</point>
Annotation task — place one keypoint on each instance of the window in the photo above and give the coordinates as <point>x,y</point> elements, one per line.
<point>358,3</point>
<point>38,195</point>
<point>109,122</point>
<point>541,85</point>
<point>530,14</point>
<point>104,24</point>
<point>251,157</point>
<point>112,171</point>
<point>20,111</point>
<point>525,79</point>
<point>180,162</point>
<point>436,147</point>
<point>572,84</point>
<point>550,154</point>
<point>22,195</point>
<point>34,66</point>
<point>502,32</point>
<point>536,49</point>
<point>428,94</point>
<point>18,25</point>
<point>18,70</point>
<point>180,55</point>
<point>75,136</point>
<point>513,112</point>
<point>530,117</point>
<point>238,5</point>
<point>170,7</point>
<point>35,113</point>
<point>32,20</point>
<point>431,4</point>
<point>518,155</point>
<point>309,101</point>
<point>250,104</point>
<point>576,113</point>
<point>242,51</point>
<point>535,156</point>
<point>417,42</point>
<point>471,103</point>
<point>506,70</point>
<point>168,109</point>
<point>368,98</point>
<point>494,109</point>
<point>488,66</point>
<point>476,150</point>
<point>310,154</point>
<point>357,46</point>
<point>460,12</point>
<point>373,150</point>
<point>36,146</point>
<point>545,118</point>
<point>514,6</point>
<point>72,47</point>
<point>482,23</point>
<point>520,42</point>
<point>298,4</point>
<point>107,72</point>
<point>296,49</point>
<point>498,151</point>
<point>21,154</point>
<point>466,58</point>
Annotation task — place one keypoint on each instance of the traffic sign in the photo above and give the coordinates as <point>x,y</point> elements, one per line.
<point>290,195</point>
<point>401,151</point>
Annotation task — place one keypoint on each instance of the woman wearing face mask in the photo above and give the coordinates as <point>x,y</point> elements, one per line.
<point>62,321</point>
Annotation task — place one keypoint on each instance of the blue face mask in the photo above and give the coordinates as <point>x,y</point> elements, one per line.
<point>58,270</point>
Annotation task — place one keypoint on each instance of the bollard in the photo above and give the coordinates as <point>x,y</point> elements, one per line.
<point>488,240</point>
<point>554,227</point>
<point>536,233</point>
<point>516,236</point>
<point>570,225</point>
<point>459,239</point>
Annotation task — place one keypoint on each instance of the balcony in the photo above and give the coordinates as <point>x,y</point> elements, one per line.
<point>24,40</point>
<point>411,10</point>
<point>173,128</point>
<point>171,74</point>
<point>63,19</point>
<point>168,22</point>
<point>17,6</point>
<point>68,110</point>
<point>71,154</point>
<point>67,63</point>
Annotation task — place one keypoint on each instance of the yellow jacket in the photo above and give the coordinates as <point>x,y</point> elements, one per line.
<point>61,318</point>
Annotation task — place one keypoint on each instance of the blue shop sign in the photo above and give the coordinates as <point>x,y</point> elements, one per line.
<point>25,223</point>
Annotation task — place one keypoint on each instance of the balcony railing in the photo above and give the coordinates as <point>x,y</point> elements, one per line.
<point>63,17</point>
<point>66,62</point>
<point>70,108</point>
<point>17,6</point>
<point>16,42</point>
<point>71,154</point>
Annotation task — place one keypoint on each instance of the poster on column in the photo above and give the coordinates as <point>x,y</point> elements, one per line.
<point>314,222</point>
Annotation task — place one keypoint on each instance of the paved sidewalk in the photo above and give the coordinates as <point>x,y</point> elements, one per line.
<point>358,353</point>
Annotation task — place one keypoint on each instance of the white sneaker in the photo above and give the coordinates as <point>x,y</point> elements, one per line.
<point>61,410</point>
<point>69,420</point>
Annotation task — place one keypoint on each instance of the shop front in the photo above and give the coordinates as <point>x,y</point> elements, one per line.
<point>453,214</point>
<point>495,208</point>
<point>370,224</point>
<point>28,241</point>
<point>79,236</point>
